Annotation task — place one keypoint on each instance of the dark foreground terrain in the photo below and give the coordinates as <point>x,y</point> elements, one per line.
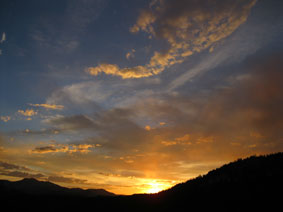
<point>252,184</point>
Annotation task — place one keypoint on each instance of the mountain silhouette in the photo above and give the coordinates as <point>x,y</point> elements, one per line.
<point>251,184</point>
<point>31,186</point>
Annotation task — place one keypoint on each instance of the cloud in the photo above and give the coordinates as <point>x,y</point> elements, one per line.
<point>147,127</point>
<point>62,179</point>
<point>5,118</point>
<point>9,166</point>
<point>13,170</point>
<point>144,22</point>
<point>27,112</point>
<point>130,54</point>
<point>22,174</point>
<point>48,149</point>
<point>135,72</point>
<point>72,122</point>
<point>83,95</point>
<point>49,106</point>
<point>65,148</point>
<point>3,39</point>
<point>188,26</point>
<point>93,96</point>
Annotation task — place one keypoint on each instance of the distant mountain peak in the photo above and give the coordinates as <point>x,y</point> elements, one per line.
<point>29,180</point>
<point>32,186</point>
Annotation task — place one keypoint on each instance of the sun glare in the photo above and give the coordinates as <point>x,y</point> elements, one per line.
<point>155,187</point>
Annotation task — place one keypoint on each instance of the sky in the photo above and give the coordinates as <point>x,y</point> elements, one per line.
<point>137,96</point>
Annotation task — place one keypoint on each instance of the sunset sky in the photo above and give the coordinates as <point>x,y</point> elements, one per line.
<point>135,96</point>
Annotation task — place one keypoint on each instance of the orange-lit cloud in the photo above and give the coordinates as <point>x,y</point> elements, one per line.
<point>49,106</point>
<point>110,69</point>
<point>183,140</point>
<point>147,127</point>
<point>27,112</point>
<point>144,22</point>
<point>188,26</point>
<point>130,54</point>
<point>5,118</point>
<point>66,148</point>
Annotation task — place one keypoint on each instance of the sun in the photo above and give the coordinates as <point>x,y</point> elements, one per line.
<point>155,187</point>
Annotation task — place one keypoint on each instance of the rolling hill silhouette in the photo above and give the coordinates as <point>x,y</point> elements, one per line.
<point>251,184</point>
<point>31,186</point>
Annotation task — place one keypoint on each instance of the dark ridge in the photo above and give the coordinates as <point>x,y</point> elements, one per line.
<point>252,184</point>
<point>31,186</point>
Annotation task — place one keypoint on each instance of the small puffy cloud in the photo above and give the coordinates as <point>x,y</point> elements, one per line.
<point>130,54</point>
<point>81,148</point>
<point>27,112</point>
<point>147,127</point>
<point>3,38</point>
<point>49,106</point>
<point>5,118</point>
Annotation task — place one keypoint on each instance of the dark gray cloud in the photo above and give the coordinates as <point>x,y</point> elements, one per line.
<point>22,174</point>
<point>73,122</point>
<point>45,149</point>
<point>60,179</point>
<point>13,170</point>
<point>9,166</point>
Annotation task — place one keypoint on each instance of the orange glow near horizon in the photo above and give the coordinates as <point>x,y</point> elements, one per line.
<point>155,186</point>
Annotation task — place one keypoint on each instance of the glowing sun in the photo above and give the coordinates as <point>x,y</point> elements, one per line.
<point>155,187</point>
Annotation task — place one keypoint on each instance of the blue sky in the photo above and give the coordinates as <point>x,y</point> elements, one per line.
<point>119,89</point>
